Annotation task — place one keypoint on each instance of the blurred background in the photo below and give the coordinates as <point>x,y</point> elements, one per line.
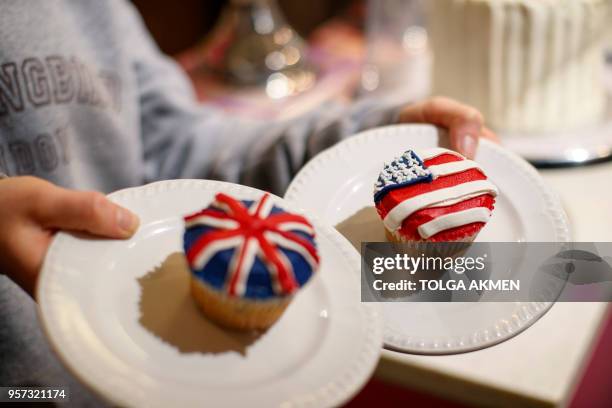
<point>276,59</point>
<point>178,28</point>
<point>270,59</point>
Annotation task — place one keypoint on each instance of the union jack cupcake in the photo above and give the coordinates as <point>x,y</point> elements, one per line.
<point>248,259</point>
<point>433,195</point>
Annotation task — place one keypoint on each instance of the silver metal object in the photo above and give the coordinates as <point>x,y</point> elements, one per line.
<point>263,49</point>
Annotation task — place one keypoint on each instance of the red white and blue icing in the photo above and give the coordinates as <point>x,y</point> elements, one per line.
<point>402,171</point>
<point>250,249</point>
<point>434,194</point>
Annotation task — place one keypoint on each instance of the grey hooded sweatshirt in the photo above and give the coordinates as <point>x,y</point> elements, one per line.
<point>87,101</point>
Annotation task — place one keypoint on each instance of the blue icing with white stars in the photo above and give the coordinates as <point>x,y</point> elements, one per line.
<point>402,171</point>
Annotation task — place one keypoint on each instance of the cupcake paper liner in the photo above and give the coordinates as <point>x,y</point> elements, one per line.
<point>237,313</point>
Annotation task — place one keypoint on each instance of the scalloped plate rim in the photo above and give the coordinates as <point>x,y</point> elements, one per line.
<point>331,394</point>
<point>393,340</point>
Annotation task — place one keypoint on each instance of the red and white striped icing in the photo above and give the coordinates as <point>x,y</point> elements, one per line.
<point>457,202</point>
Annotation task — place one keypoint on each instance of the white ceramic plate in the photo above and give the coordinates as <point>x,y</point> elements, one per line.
<point>319,353</point>
<point>337,185</point>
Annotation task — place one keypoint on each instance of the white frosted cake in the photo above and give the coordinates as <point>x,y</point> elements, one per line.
<point>527,65</point>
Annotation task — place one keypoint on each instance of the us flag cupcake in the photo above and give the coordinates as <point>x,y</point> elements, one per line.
<point>248,259</point>
<point>433,195</point>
